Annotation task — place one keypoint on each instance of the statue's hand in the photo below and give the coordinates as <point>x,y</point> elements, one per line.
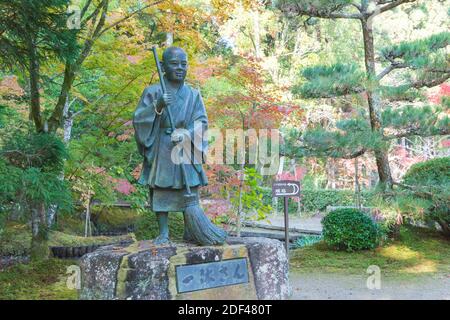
<point>177,137</point>
<point>164,101</point>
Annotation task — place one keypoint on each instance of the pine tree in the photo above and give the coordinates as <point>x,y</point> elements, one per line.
<point>32,33</point>
<point>424,63</point>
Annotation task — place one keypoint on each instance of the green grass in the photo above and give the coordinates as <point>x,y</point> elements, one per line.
<point>418,251</point>
<point>15,240</point>
<point>44,280</point>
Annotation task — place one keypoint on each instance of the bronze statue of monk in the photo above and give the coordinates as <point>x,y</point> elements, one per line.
<point>156,141</point>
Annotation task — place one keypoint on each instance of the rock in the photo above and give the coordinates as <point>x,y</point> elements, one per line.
<point>270,267</point>
<point>144,271</point>
<point>99,274</point>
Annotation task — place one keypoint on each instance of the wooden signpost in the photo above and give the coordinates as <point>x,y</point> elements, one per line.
<point>286,189</point>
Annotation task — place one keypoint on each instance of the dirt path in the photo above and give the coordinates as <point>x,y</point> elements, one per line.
<point>307,223</point>
<point>336,286</point>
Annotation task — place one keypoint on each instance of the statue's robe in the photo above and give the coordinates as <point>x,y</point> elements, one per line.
<point>153,137</point>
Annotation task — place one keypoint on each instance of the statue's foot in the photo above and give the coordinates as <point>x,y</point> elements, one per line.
<point>161,239</point>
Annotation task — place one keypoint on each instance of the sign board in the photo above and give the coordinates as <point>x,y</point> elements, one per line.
<point>286,188</point>
<point>194,277</point>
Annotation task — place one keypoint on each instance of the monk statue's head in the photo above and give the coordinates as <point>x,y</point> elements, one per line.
<point>175,64</point>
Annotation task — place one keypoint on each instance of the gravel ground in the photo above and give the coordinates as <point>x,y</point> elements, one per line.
<point>336,286</point>
<point>307,223</point>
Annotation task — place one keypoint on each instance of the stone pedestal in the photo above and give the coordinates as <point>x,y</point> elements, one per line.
<point>244,268</point>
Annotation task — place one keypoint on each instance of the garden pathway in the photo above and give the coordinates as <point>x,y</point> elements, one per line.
<point>338,286</point>
<point>306,223</point>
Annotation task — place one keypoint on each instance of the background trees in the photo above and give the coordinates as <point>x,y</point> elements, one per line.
<point>392,73</point>
<point>350,85</point>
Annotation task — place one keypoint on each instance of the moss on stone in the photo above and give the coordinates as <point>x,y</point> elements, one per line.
<point>63,239</point>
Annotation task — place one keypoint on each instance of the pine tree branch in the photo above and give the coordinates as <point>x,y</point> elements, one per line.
<point>294,8</point>
<point>355,154</point>
<point>416,190</point>
<point>389,6</point>
<point>390,68</point>
<point>429,83</point>
<point>417,131</point>
<point>329,153</point>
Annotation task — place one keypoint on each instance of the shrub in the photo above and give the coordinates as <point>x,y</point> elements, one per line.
<point>350,229</point>
<point>429,181</point>
<point>307,240</point>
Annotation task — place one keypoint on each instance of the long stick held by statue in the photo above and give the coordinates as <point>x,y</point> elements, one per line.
<point>198,228</point>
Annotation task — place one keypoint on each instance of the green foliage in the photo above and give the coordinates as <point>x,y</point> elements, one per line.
<point>307,240</point>
<point>15,240</point>
<point>330,81</point>
<point>348,139</point>
<point>434,172</point>
<point>35,29</point>
<point>317,200</point>
<point>351,230</point>
<point>7,116</point>
<point>429,182</point>
<point>30,165</point>
<point>252,196</point>
<point>32,150</point>
<point>410,66</point>
<point>419,53</point>
<point>429,120</point>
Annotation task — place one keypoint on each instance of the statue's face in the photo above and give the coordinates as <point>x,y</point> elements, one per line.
<point>176,65</point>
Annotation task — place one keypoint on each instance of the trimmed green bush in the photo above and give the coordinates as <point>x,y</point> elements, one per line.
<point>351,230</point>
<point>430,182</point>
<point>433,172</point>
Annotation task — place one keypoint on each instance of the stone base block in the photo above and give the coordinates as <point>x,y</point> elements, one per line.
<point>244,268</point>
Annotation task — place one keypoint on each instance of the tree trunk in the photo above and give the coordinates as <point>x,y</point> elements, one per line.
<point>39,233</point>
<point>68,123</point>
<point>373,99</point>
<point>256,35</point>
<point>35,103</point>
<point>57,116</point>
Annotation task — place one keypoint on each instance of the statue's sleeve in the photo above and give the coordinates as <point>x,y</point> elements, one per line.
<point>197,129</point>
<point>146,123</point>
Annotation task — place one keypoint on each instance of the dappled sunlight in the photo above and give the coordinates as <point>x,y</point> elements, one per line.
<point>425,266</point>
<point>398,252</point>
